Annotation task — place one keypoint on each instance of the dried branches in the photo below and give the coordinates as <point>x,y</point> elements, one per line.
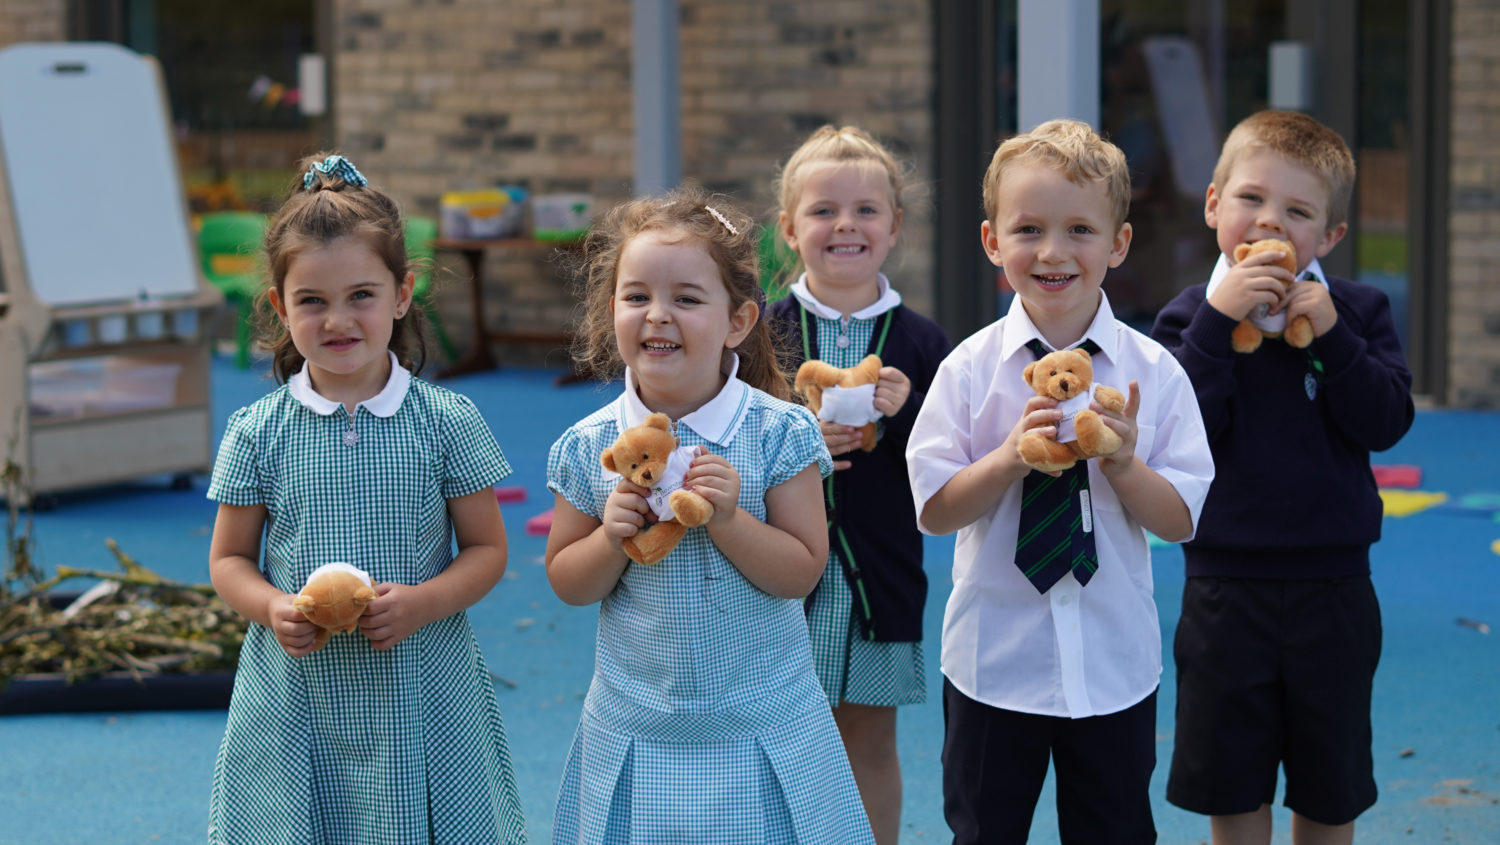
<point>133,620</point>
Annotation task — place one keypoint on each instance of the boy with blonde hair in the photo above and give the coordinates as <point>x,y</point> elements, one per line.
<point>1280,630</point>
<point>1051,646</point>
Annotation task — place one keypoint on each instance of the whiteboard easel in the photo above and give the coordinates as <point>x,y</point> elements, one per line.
<point>101,274</point>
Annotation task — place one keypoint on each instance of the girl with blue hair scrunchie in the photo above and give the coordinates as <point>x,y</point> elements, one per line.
<point>391,733</point>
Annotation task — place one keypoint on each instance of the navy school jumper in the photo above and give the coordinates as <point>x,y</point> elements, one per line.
<point>872,503</point>
<point>1291,432</point>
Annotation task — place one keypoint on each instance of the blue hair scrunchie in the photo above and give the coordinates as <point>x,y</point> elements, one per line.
<point>334,165</point>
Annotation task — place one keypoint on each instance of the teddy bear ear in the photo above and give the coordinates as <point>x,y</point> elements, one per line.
<point>1026,373</point>
<point>1084,353</point>
<point>608,459</point>
<point>659,421</point>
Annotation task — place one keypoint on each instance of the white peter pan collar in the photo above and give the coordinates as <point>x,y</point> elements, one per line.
<point>1019,330</point>
<point>382,404</point>
<point>887,300</point>
<point>717,420</point>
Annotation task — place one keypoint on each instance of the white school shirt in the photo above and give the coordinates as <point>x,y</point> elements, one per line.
<point>1074,651</point>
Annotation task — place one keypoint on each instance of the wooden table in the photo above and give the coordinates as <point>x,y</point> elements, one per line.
<point>479,358</point>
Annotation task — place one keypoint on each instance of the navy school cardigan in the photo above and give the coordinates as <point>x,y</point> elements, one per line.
<point>872,509</point>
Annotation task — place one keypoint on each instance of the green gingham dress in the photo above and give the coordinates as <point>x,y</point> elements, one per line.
<point>705,722</point>
<point>349,744</point>
<point>851,668</point>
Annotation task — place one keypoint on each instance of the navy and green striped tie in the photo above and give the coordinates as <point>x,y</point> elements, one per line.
<point>1055,536</point>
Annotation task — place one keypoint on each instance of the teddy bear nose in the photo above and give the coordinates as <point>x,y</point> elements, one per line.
<point>646,475</point>
<point>1063,384</point>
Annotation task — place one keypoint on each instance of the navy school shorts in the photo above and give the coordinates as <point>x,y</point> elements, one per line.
<point>1272,673</point>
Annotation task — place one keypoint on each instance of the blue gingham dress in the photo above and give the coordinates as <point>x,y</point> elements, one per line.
<point>705,722</point>
<point>851,668</point>
<point>349,744</point>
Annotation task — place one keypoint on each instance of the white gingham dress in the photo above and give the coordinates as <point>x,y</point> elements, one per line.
<point>349,744</point>
<point>851,668</point>
<point>705,722</point>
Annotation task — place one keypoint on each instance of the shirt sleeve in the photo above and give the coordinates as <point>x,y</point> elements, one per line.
<point>940,442</point>
<point>793,445</point>
<point>472,460</point>
<point>236,479</point>
<point>1180,452</point>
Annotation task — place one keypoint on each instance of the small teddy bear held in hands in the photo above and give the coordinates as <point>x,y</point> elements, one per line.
<point>648,454</point>
<point>334,598</point>
<point>1067,376</point>
<point>844,396</point>
<point>1246,336</point>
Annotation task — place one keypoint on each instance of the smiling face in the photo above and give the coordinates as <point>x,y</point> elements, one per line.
<point>1056,239</point>
<point>673,320</point>
<point>1265,195</point>
<point>843,226</point>
<point>339,302</point>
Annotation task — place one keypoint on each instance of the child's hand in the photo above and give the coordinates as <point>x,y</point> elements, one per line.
<point>625,512</point>
<point>891,391</point>
<point>1040,416</point>
<point>715,479</point>
<point>292,630</point>
<point>1124,425</point>
<point>394,615</point>
<point>1250,283</point>
<point>839,439</point>
<point>1311,300</point>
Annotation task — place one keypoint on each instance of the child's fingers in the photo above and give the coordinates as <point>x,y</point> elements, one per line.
<point>630,487</point>
<point>1133,399</point>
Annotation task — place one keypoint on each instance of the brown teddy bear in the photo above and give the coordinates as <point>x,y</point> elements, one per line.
<point>1067,375</point>
<point>648,454</point>
<point>1246,336</point>
<point>852,404</point>
<point>333,598</point>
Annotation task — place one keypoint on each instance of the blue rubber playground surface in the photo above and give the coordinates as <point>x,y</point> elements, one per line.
<point>144,776</point>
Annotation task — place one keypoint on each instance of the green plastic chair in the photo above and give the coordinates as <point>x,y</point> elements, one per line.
<point>229,247</point>
<point>420,233</point>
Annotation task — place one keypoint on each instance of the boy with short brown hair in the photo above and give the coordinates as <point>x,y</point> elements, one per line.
<point>1280,630</point>
<point>1051,644</point>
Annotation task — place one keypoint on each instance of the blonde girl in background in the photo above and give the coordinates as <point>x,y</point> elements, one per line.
<point>841,210</point>
<point>705,721</point>
<point>392,735</point>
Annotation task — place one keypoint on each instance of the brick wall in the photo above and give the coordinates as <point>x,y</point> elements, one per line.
<point>32,20</point>
<point>469,93</point>
<point>758,77</point>
<point>1474,251</point>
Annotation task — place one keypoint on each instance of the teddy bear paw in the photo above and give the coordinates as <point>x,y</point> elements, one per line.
<point>1299,332</point>
<point>1046,455</point>
<point>691,509</point>
<point>1245,338</point>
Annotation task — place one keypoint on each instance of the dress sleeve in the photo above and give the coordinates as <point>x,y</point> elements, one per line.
<point>236,477</point>
<point>572,465</point>
<point>472,460</point>
<point>793,444</point>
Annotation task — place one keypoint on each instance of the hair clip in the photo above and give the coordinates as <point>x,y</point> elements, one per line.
<point>722,219</point>
<point>334,165</point>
